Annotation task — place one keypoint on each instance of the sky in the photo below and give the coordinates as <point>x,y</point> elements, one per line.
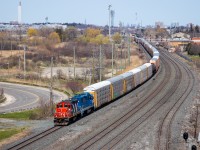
<point>96,11</point>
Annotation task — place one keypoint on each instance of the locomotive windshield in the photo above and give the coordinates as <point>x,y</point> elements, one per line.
<point>59,105</point>
<point>66,105</point>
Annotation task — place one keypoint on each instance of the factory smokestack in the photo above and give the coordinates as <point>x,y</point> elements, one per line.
<point>20,13</point>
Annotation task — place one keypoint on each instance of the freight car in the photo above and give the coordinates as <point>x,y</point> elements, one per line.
<point>128,81</point>
<point>156,63</point>
<point>101,93</point>
<point>116,86</point>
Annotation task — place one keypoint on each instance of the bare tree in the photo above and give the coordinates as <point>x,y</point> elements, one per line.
<point>59,74</point>
<point>74,86</point>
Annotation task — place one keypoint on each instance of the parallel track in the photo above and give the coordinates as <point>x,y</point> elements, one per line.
<point>115,140</point>
<point>122,135</point>
<point>34,138</point>
<point>164,133</point>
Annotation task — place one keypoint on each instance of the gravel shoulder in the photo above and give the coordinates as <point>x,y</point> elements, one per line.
<point>183,119</point>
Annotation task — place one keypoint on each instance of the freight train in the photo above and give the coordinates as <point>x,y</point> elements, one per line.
<point>101,93</point>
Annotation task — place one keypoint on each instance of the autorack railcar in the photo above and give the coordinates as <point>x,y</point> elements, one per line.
<point>116,86</point>
<point>101,93</point>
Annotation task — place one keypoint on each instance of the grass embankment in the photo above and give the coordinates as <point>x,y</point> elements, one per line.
<point>196,60</point>
<point>9,132</point>
<point>25,115</point>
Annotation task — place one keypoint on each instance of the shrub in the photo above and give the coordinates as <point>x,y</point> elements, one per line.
<point>193,49</point>
<point>74,86</point>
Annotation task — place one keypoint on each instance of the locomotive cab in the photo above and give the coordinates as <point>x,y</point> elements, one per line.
<point>68,110</point>
<point>64,112</point>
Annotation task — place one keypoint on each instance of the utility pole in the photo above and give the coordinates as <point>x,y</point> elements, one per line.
<point>90,78</point>
<point>24,61</point>
<point>51,84</point>
<point>93,65</point>
<point>117,57</point>
<point>19,63</point>
<point>100,64</point>
<point>112,57</point>
<point>125,58</point>
<point>109,20</point>
<point>129,49</point>
<point>11,46</point>
<point>74,63</point>
<point>8,68</point>
<point>121,57</point>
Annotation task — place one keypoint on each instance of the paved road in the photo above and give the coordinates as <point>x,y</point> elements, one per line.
<point>22,97</point>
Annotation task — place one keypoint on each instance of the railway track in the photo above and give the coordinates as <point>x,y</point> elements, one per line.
<point>35,138</point>
<point>124,133</point>
<point>164,133</point>
<point>164,130</point>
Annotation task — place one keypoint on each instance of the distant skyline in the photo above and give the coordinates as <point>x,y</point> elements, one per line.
<point>96,12</point>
